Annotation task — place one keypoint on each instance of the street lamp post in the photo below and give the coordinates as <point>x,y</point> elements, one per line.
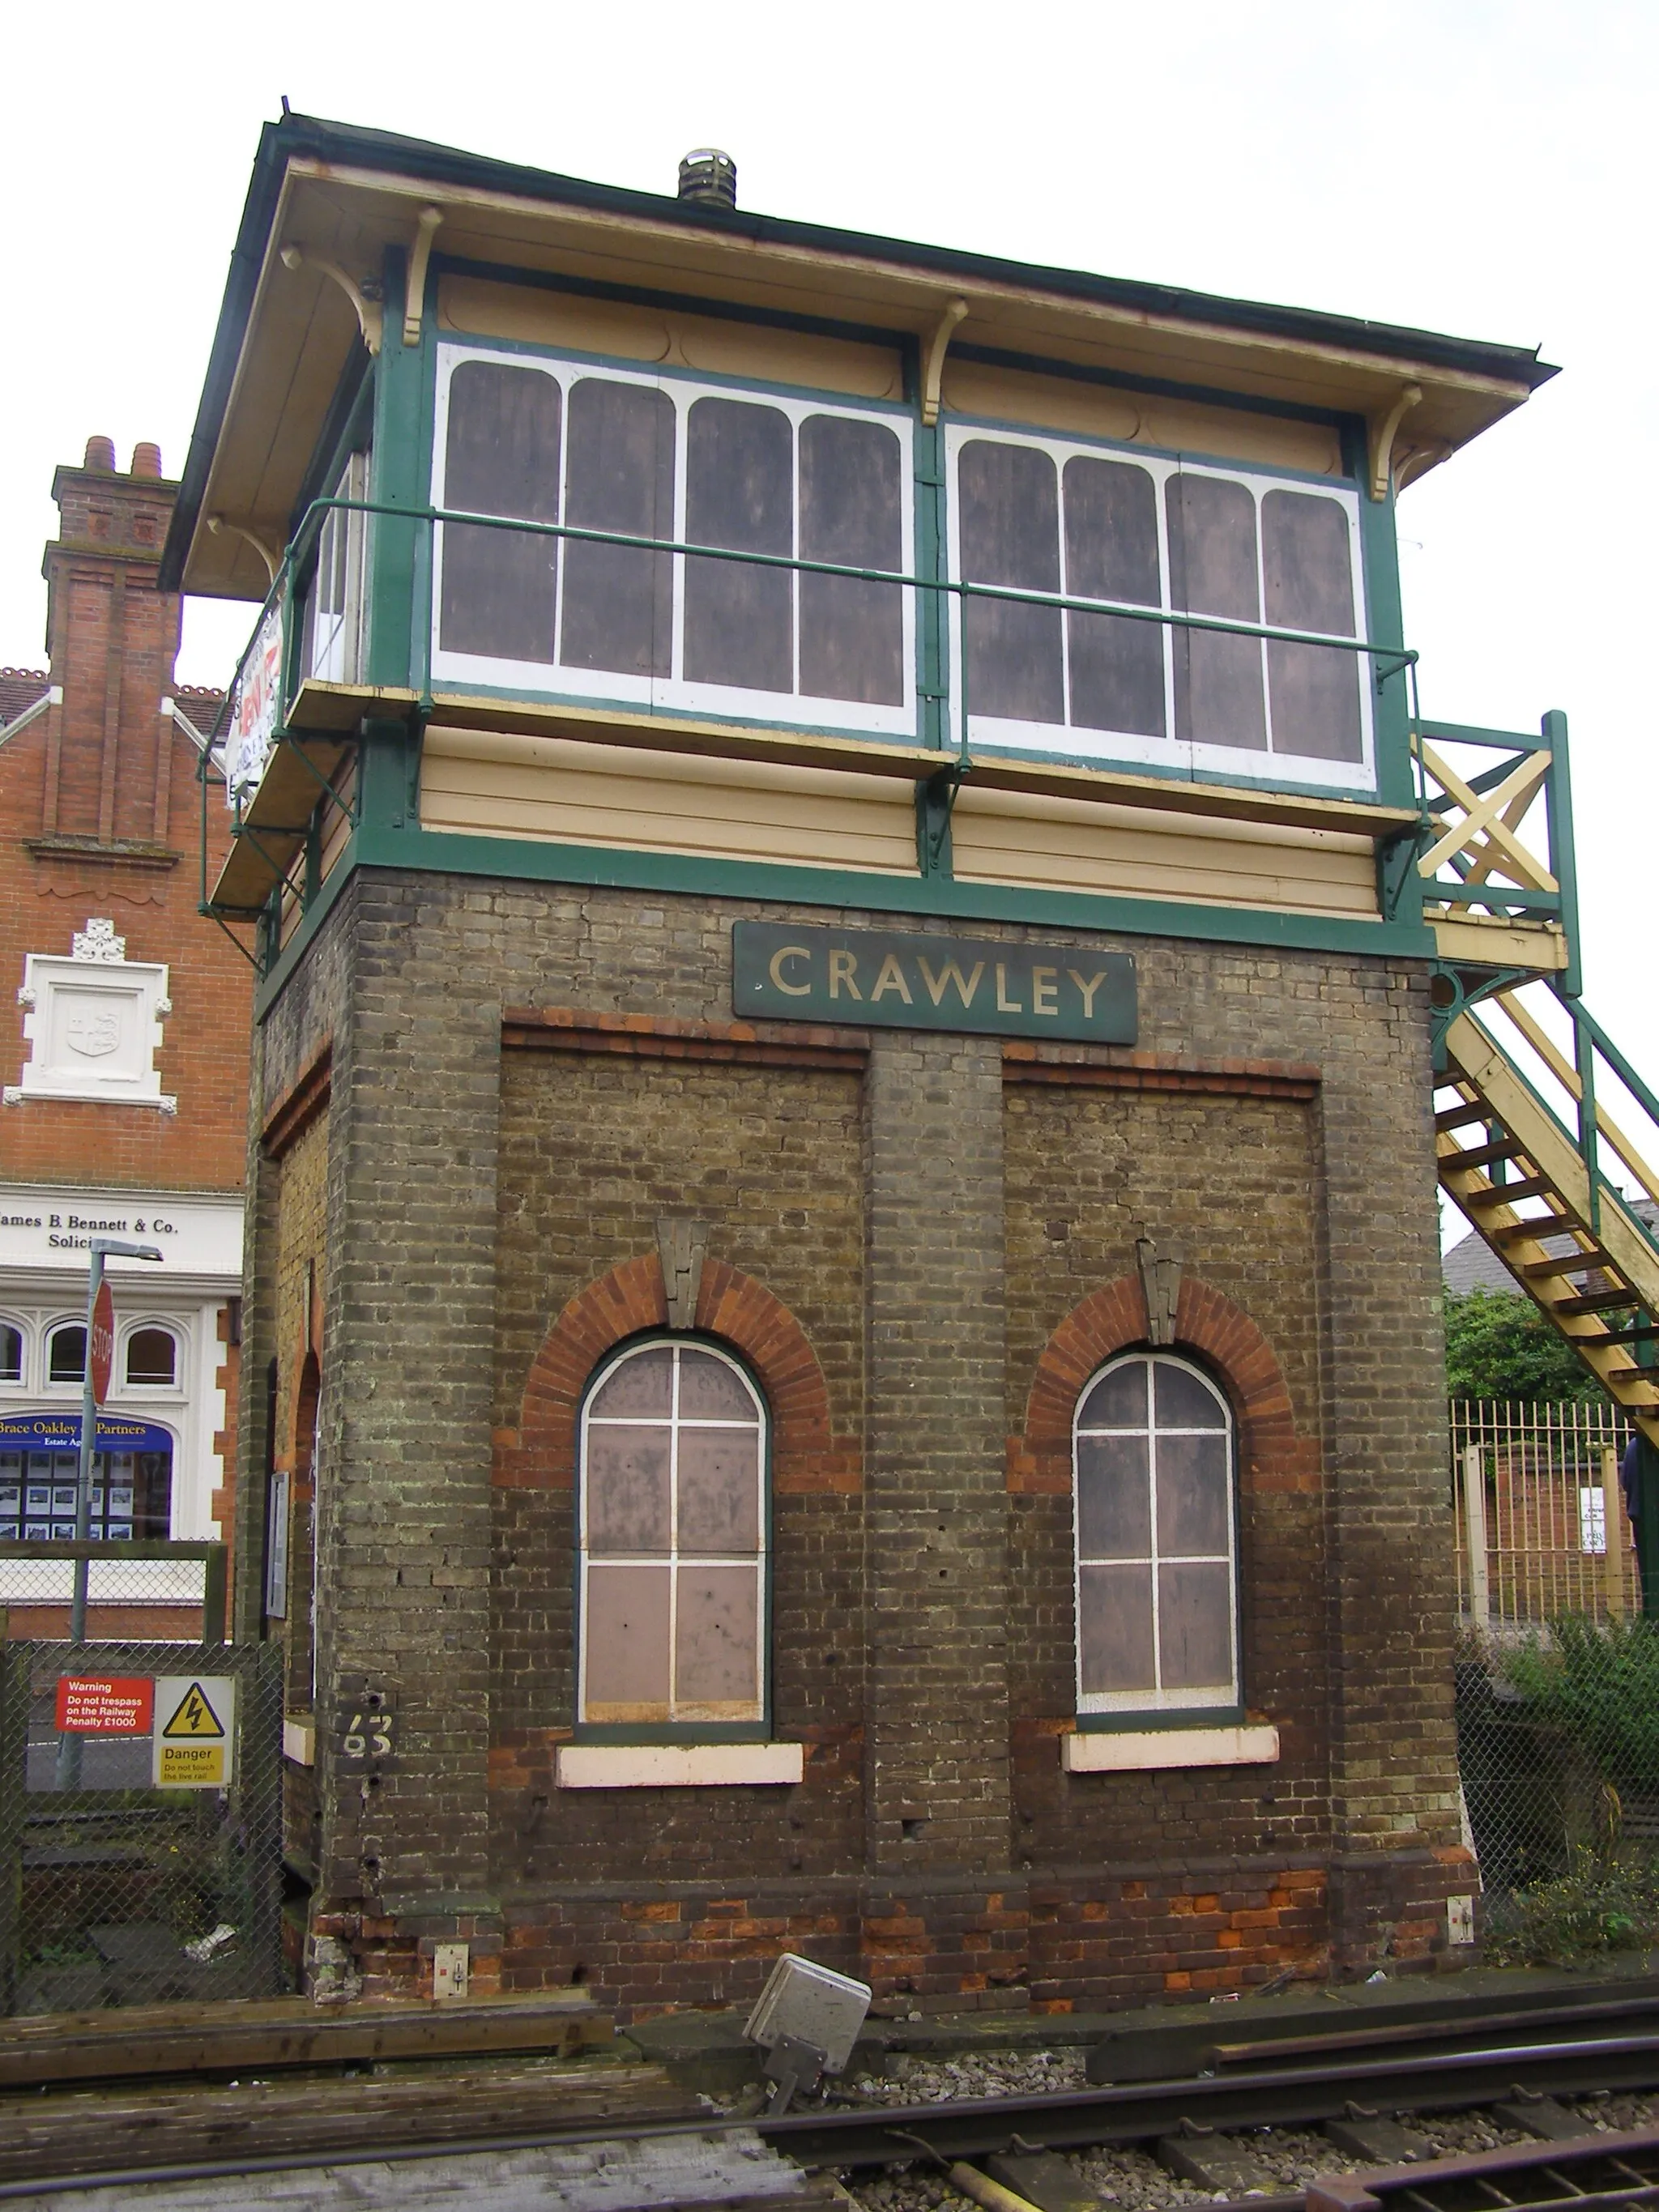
<point>103,1248</point>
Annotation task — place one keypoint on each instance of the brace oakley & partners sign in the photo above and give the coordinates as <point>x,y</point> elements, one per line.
<point>984,985</point>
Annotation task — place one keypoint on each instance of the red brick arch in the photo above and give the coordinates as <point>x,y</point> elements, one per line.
<point>807,1455</point>
<point>1272,1452</point>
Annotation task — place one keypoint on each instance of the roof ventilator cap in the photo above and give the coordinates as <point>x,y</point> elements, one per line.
<point>709,176</point>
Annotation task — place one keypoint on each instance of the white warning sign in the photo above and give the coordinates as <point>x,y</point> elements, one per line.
<point>193,1745</point>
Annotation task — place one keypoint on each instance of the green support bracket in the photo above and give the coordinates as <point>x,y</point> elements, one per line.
<point>936,798</point>
<point>1398,886</point>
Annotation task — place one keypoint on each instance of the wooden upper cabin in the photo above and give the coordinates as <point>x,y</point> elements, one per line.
<point>1037,594</point>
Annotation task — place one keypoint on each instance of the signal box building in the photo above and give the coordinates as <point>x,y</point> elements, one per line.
<point>843,1240</point>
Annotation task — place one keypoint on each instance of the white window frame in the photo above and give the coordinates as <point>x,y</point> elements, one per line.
<point>1158,1699</point>
<point>180,1334</point>
<point>49,1329</point>
<point>552,679</point>
<point>1062,740</point>
<point>333,650</point>
<point>676,1729</point>
<point>21,1380</point>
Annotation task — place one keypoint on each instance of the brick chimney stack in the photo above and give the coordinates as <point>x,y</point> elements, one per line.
<point>112,636</point>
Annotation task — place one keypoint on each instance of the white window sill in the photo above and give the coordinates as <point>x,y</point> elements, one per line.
<point>676,1765</point>
<point>1140,1751</point>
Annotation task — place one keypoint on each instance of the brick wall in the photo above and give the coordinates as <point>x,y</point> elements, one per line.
<point>941,1235</point>
<point>99,816</point>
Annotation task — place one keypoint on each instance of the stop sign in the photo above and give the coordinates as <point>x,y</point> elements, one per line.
<point>101,1350</point>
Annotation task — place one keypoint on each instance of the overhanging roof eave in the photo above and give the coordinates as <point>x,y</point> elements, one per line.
<point>349,145</point>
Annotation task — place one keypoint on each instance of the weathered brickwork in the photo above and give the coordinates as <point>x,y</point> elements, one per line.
<point>1226,1182</point>
<point>594,1150</point>
<point>924,1247</point>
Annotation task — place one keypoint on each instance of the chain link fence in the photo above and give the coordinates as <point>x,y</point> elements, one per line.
<point>140,1823</point>
<point>1557,1685</point>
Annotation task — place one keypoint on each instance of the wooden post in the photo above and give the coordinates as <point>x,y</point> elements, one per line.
<point>1474,1535</point>
<point>1613,1516</point>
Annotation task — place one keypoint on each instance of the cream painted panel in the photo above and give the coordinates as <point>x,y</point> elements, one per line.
<point>537,316</point>
<point>1006,837</point>
<point>1095,410</point>
<point>575,794</point>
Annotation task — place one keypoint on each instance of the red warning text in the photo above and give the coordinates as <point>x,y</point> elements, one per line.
<point>106,1704</point>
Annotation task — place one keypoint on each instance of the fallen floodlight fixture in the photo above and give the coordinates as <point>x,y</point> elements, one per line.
<point>806,2020</point>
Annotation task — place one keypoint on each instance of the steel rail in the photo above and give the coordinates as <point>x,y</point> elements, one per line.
<point>1119,2113</point>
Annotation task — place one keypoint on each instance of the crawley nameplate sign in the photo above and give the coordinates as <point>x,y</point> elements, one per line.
<point>867,977</point>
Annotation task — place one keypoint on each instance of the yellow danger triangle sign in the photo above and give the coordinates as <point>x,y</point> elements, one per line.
<point>194,1715</point>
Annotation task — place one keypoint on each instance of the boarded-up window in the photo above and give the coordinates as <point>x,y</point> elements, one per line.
<point>1157,1612</point>
<point>1032,515</point>
<point>673,1540</point>
<point>777,480</point>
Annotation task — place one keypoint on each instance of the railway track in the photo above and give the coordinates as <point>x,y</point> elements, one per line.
<point>1380,2073</point>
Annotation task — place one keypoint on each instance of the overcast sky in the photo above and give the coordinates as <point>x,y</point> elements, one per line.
<point>1483,169</point>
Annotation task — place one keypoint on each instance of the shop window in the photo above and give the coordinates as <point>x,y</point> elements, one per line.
<point>662,459</point>
<point>152,1357</point>
<point>11,1353</point>
<point>66,1353</point>
<point>131,1493</point>
<point>1156,1540</point>
<point>1039,515</point>
<point>673,1541</point>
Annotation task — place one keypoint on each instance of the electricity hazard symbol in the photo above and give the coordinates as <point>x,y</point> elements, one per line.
<point>194,1743</point>
<point>194,1716</point>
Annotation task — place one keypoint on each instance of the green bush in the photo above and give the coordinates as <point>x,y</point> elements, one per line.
<point>1598,1686</point>
<point>1499,1346</point>
<point>1605,1901</point>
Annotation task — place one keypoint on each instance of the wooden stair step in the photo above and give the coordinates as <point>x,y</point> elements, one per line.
<point>1593,1302</point>
<point>1459,1117</point>
<point>1571,1263</point>
<point>1542,1225</point>
<point>1645,1332</point>
<point>1483,1156</point>
<point>1510,1193</point>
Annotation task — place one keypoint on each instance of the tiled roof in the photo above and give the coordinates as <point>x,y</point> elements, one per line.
<point>19,689</point>
<point>1471,1264</point>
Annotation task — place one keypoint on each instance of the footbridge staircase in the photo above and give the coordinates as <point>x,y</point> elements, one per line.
<point>1545,1136</point>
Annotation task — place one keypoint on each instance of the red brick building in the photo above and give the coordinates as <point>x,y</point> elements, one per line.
<point>123,1061</point>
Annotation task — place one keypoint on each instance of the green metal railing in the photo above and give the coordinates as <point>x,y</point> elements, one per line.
<point>1392,659</point>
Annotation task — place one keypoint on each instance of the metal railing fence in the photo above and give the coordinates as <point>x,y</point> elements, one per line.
<point>1541,1529</point>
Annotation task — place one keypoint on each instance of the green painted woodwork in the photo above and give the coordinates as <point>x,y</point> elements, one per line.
<point>379,842</point>
<point>397,487</point>
<point>1564,859</point>
<point>1383,623</point>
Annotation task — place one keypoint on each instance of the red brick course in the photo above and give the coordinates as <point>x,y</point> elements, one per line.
<point>807,1457</point>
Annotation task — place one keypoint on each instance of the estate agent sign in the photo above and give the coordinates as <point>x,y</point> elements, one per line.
<point>875,977</point>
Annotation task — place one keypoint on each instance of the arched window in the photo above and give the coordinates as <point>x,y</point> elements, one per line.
<point>673,1510</point>
<point>11,1353</point>
<point>152,1357</point>
<point>66,1353</point>
<point>1157,1540</point>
